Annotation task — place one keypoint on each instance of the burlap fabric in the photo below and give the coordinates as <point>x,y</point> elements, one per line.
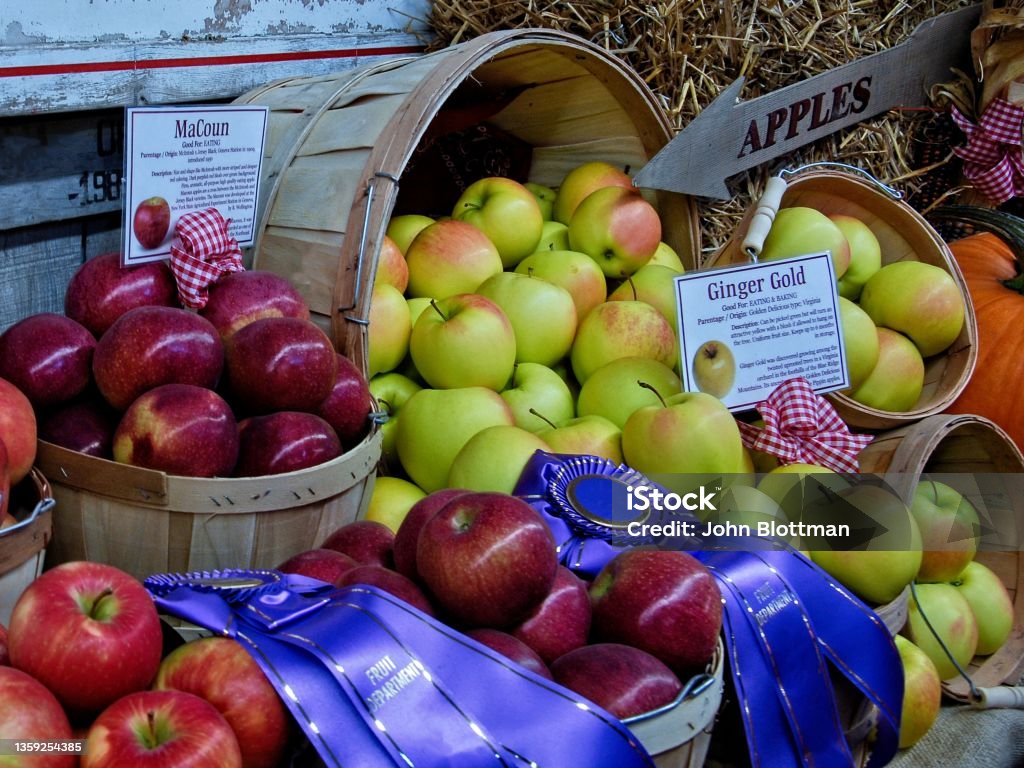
<point>967,738</point>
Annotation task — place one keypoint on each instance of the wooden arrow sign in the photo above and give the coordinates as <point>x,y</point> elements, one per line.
<point>727,137</point>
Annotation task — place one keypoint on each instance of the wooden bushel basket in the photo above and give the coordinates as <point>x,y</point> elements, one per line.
<point>903,235</point>
<point>23,546</point>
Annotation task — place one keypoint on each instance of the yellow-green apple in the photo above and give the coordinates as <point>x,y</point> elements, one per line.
<point>665,255</point>
<point>30,713</point>
<point>238,298</point>
<point>561,623</point>
<point>583,179</point>
<point>950,530</point>
<point>151,222</point>
<point>990,603</point>
<point>740,504</point>
<point>368,542</point>
<point>87,631</point>
<point>617,228</point>
<point>507,212</point>
<point>488,559</point>
<point>149,346</point>
<point>897,380</point>
<point>665,602</point>
<point>617,329</point>
<point>788,484</point>
<point>880,567</point>
<point>687,433</point>
<point>920,300</point>
<point>574,271</point>
<point>391,265</point>
<point>653,283</point>
<point>799,230</point>
<point>18,429</point>
<point>865,254</point>
<point>284,441</point>
<point>494,458</point>
<point>922,693</point>
<point>391,391</point>
<point>327,565</point>
<point>554,236</point>
<point>402,229</point>
<point>180,429</point>
<point>348,405</point>
<point>86,426</point>
<point>714,368</point>
<point>545,197</point>
<point>542,314</point>
<point>416,306</point>
<point>860,341</point>
<point>160,729</point>
<point>390,326</point>
<point>614,392</point>
<point>591,435</point>
<point>48,357</point>
<point>538,397</point>
<point>450,257</point>
<point>408,534</point>
<point>391,499</point>
<point>619,678</point>
<point>101,290</point>
<point>464,340</point>
<point>951,620</point>
<point>221,671</point>
<point>511,648</point>
<point>389,581</point>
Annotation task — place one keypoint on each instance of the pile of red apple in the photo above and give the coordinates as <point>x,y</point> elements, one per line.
<point>247,386</point>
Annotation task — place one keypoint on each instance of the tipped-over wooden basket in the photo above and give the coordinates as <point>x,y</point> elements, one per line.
<point>23,546</point>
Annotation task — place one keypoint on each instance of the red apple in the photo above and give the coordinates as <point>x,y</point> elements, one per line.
<point>151,222</point>
<point>368,542</point>
<point>161,729</point>
<point>280,364</point>
<point>511,648</point>
<point>5,488</point>
<point>348,405</point>
<point>624,680</point>
<point>391,265</point>
<point>284,441</point>
<point>238,298</point>
<point>89,632</point>
<point>562,622</point>
<point>664,602</point>
<point>488,559</point>
<point>29,712</point>
<point>101,290</point>
<point>5,657</point>
<point>408,534</point>
<point>150,346</point>
<point>86,426</point>
<point>180,429</point>
<point>18,431</point>
<point>48,357</point>
<point>388,581</point>
<point>323,564</point>
<point>221,671</point>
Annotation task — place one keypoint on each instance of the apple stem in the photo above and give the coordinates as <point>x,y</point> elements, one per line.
<point>645,385</point>
<point>632,287</point>
<point>150,737</point>
<point>94,608</point>
<point>543,418</point>
<point>437,309</point>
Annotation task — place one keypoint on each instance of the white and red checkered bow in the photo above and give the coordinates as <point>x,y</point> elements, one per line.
<point>202,253</point>
<point>992,155</point>
<point>803,427</point>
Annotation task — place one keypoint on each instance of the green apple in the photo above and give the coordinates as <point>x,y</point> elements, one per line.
<point>865,254</point>
<point>922,693</point>
<point>416,306</point>
<point>617,329</point>
<point>666,256</point>
<point>538,397</point>
<point>507,212</point>
<point>436,423</point>
<point>494,458</point>
<point>589,435</point>
<point>950,530</point>
<point>616,227</point>
<point>655,284</point>
<point>951,621</point>
<point>799,230</point>
<point>554,236</point>
<point>545,197</point>
<point>786,484</point>
<point>614,391</point>
<point>450,257</point>
<point>990,603</point>
<point>920,300</point>
<point>741,504</point>
<point>542,314</point>
<point>391,266</point>
<point>687,433</point>
<point>574,271</point>
<point>581,181</point>
<point>897,380</point>
<point>402,229</point>
<point>391,499</point>
<point>714,368</point>
<point>389,329</point>
<point>391,391</point>
<point>860,341</point>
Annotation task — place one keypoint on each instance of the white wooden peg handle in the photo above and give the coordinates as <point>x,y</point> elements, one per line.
<point>1000,697</point>
<point>764,215</point>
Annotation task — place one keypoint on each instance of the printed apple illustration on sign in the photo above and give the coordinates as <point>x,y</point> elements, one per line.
<point>714,368</point>
<point>151,222</point>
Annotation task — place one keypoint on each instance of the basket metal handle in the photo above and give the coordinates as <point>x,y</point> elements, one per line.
<point>894,193</point>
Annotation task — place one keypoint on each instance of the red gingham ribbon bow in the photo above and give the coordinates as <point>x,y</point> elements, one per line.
<point>803,427</point>
<point>992,155</point>
<point>202,253</point>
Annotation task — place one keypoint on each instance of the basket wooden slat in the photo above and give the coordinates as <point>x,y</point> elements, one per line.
<point>23,547</point>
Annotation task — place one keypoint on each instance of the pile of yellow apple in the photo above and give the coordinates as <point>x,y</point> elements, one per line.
<point>894,315</point>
